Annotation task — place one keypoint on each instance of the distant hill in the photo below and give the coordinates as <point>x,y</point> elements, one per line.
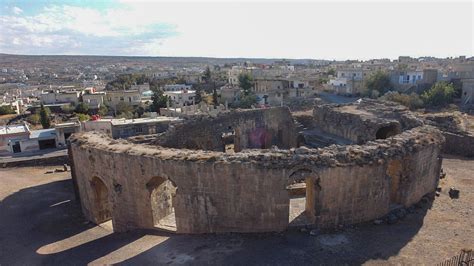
<point>10,58</point>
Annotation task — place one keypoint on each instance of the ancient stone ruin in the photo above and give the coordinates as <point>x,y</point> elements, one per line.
<point>239,171</point>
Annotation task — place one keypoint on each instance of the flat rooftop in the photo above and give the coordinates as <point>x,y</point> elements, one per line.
<point>13,129</point>
<point>124,121</point>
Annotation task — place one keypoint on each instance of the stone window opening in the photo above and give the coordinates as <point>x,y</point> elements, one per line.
<point>162,196</point>
<point>387,131</point>
<point>101,208</point>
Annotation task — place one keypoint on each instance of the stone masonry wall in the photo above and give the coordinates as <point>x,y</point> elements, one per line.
<point>359,122</point>
<point>246,191</point>
<point>260,128</point>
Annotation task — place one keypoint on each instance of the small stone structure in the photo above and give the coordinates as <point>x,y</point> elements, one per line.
<point>187,174</point>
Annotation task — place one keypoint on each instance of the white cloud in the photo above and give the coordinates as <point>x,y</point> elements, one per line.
<point>77,30</point>
<point>331,30</point>
<point>16,10</point>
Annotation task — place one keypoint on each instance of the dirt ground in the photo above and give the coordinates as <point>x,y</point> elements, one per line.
<point>41,224</point>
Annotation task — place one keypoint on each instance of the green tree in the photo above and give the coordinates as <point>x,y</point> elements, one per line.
<point>207,75</point>
<point>44,117</point>
<point>139,111</point>
<point>215,99</point>
<point>123,108</point>
<point>331,72</point>
<point>380,82</point>
<point>158,100</point>
<point>6,110</point>
<point>198,97</point>
<point>247,101</point>
<point>245,81</point>
<point>81,108</point>
<point>441,93</point>
<point>103,110</point>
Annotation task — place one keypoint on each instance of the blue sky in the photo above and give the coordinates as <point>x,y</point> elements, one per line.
<point>327,30</point>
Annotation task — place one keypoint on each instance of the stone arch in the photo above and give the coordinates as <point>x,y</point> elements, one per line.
<point>162,192</point>
<point>102,209</point>
<point>387,131</point>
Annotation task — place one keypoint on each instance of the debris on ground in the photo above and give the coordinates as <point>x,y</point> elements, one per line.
<point>378,221</point>
<point>314,232</point>
<point>453,193</point>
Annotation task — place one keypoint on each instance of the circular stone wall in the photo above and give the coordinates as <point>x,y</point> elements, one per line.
<point>246,191</point>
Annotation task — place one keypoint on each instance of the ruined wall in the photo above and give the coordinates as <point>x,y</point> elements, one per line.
<point>260,128</point>
<point>459,144</point>
<point>246,191</point>
<point>210,197</point>
<point>359,122</point>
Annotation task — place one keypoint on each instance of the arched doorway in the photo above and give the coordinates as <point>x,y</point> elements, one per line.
<point>101,204</point>
<point>387,131</point>
<point>162,193</point>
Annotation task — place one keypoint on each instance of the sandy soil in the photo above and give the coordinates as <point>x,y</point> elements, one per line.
<point>41,223</point>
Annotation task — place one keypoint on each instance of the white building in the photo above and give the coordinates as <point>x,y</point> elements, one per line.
<point>56,97</point>
<point>177,87</point>
<point>181,98</point>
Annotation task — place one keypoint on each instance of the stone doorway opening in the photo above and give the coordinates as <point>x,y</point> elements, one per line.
<point>300,199</point>
<point>102,209</point>
<point>162,195</point>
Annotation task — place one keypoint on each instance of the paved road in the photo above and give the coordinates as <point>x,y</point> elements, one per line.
<point>27,156</point>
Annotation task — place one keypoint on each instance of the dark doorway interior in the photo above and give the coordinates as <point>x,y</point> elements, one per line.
<point>16,147</point>
<point>47,144</point>
<point>386,132</point>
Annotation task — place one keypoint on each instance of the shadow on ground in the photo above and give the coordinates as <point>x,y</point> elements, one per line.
<point>44,225</point>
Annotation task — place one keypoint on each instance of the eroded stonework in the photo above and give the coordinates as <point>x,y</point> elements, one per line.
<point>185,173</point>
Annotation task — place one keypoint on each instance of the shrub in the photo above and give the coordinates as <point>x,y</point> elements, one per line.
<point>82,117</point>
<point>412,101</point>
<point>68,109</point>
<point>34,119</point>
<point>6,110</point>
<point>440,94</point>
<point>82,108</point>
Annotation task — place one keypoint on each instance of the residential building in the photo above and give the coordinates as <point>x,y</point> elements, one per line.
<point>177,87</point>
<point>19,138</point>
<point>93,98</point>
<point>180,94</point>
<point>56,97</point>
<point>141,88</point>
<point>235,71</point>
<point>271,91</point>
<point>124,128</point>
<point>229,94</point>
<point>181,98</point>
<point>129,97</point>
<point>64,131</point>
<point>413,80</point>
<point>348,81</point>
<point>467,96</point>
<point>11,137</point>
